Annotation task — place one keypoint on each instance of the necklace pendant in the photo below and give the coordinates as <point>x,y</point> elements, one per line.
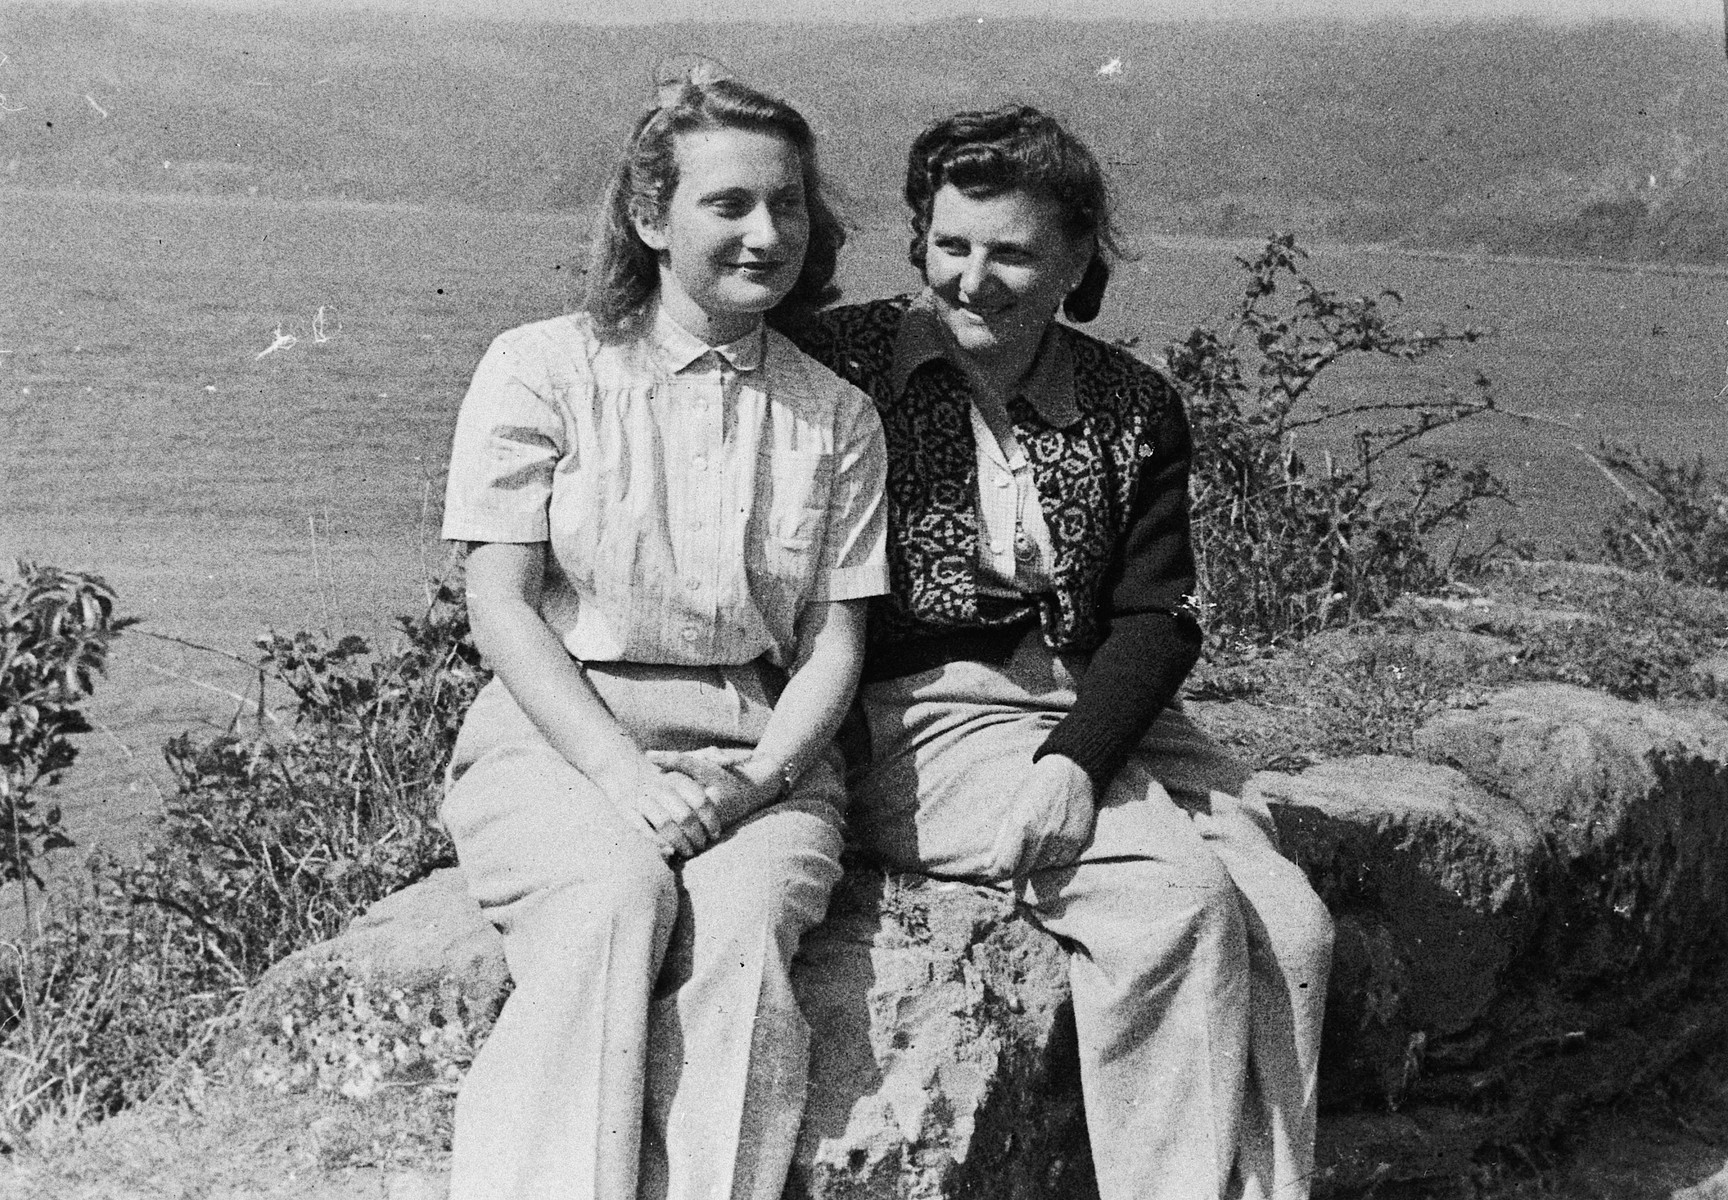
<point>1024,550</point>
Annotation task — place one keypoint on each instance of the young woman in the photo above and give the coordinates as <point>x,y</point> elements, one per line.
<point>673,518</point>
<point>1021,679</point>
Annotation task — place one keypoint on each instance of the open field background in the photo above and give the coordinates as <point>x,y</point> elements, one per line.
<point>1603,138</point>
<point>180,192</point>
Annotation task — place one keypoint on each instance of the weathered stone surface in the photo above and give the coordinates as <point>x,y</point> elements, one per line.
<point>1711,676</point>
<point>1483,614</point>
<point>1356,1152</point>
<point>941,1036</point>
<point>1444,648</point>
<point>1713,1188</point>
<point>1434,885</point>
<point>943,1060</point>
<point>1634,800</point>
<point>426,941</point>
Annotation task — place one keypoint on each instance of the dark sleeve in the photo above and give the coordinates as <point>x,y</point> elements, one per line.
<point>1153,638</point>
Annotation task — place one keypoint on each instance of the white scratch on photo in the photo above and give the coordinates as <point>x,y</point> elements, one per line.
<point>8,108</point>
<point>101,113</point>
<point>283,342</point>
<point>1113,67</point>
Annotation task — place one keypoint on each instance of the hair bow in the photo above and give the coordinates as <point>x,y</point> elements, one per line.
<point>681,71</point>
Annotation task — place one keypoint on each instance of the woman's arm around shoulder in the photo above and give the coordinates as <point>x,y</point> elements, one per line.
<point>855,341</point>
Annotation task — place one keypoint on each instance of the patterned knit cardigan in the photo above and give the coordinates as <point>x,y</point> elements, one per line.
<point>1113,488</point>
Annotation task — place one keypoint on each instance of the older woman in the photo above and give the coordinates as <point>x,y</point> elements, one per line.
<point>1021,679</point>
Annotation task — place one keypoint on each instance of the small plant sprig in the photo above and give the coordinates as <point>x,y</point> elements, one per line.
<point>1287,547</point>
<point>1674,523</point>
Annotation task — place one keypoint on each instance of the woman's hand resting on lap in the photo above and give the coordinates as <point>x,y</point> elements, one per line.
<point>671,809</point>
<point>721,774</point>
<point>1050,821</point>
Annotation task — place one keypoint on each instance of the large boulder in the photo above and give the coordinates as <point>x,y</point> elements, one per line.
<point>943,1060</point>
<point>404,995</point>
<point>1434,884</point>
<point>1634,800</point>
<point>1525,923</point>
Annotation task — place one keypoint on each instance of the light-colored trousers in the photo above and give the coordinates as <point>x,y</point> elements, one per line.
<point>652,1047</point>
<point>1199,954</point>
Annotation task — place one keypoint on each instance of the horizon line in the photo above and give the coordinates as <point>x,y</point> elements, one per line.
<point>913,13</point>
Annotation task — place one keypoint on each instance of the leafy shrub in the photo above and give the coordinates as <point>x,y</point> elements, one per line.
<point>55,630</point>
<point>1287,546</point>
<point>274,840</point>
<point>1675,523</point>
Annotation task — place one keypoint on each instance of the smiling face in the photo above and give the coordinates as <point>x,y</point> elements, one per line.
<point>999,267</point>
<point>732,240</point>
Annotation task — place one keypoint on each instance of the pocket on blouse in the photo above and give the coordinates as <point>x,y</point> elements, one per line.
<point>793,515</point>
<point>798,501</point>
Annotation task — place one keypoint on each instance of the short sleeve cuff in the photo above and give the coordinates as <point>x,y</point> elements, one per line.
<point>852,583</point>
<point>496,527</point>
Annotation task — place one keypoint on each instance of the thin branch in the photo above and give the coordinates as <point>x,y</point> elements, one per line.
<point>1611,477</point>
<point>245,701</point>
<point>1456,413</point>
<point>1542,418</point>
<point>249,663</point>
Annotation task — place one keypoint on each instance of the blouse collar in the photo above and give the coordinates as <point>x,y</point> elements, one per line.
<point>1048,386</point>
<point>680,349</point>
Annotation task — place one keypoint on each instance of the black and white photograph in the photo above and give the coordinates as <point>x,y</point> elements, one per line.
<point>823,600</point>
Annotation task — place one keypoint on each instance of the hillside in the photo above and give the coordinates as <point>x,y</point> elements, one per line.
<point>1579,140</point>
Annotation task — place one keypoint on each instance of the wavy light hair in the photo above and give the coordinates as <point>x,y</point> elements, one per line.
<point>624,273</point>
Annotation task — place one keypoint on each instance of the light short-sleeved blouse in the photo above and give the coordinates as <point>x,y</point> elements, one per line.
<point>694,498</point>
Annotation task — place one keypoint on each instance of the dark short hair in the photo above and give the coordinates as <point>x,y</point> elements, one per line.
<point>623,272</point>
<point>989,153</point>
